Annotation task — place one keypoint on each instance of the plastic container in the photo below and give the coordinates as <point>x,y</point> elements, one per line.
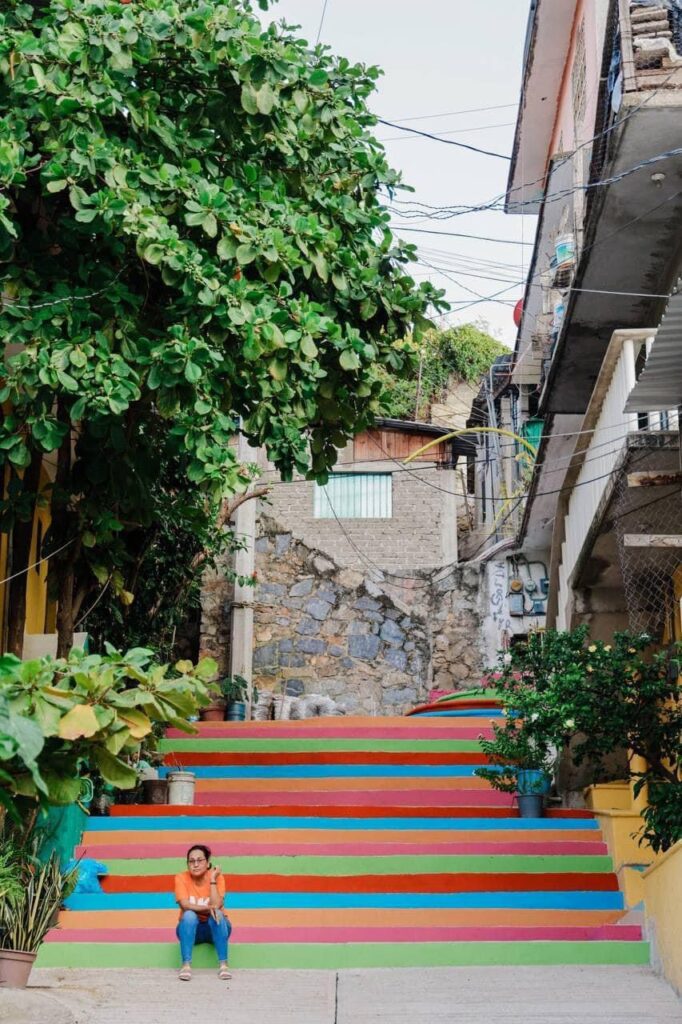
<point>531,805</point>
<point>15,968</point>
<point>181,788</point>
<point>565,251</point>
<point>236,711</point>
<point>155,791</point>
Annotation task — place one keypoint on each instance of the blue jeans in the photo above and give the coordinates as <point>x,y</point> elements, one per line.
<point>192,930</point>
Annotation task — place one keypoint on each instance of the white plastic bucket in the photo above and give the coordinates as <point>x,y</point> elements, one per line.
<point>565,250</point>
<point>181,788</point>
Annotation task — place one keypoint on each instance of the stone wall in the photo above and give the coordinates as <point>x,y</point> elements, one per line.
<point>374,644</point>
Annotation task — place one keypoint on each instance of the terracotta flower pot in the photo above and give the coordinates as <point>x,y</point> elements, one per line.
<point>213,712</point>
<point>15,967</point>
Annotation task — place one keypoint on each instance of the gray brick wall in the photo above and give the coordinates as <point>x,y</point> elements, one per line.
<point>421,534</point>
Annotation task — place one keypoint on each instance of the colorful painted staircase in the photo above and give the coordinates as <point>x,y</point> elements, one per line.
<point>351,842</point>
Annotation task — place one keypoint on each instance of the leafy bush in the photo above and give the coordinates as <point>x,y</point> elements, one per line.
<point>560,689</point>
<point>60,719</point>
<point>464,352</point>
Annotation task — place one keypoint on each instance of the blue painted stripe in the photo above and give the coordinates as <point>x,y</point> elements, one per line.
<point>327,771</point>
<point>475,900</point>
<point>195,823</point>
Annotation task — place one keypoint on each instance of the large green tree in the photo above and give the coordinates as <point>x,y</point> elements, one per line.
<point>192,234</point>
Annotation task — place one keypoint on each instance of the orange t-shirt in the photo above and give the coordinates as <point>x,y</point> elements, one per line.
<point>197,891</point>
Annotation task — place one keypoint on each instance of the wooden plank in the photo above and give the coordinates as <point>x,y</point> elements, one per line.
<point>653,540</point>
<point>654,478</point>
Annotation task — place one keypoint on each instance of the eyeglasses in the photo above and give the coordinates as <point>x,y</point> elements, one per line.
<point>197,860</point>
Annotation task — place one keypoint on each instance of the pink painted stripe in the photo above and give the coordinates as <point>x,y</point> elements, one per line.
<point>135,851</point>
<point>373,798</point>
<point>357,732</point>
<point>246,934</point>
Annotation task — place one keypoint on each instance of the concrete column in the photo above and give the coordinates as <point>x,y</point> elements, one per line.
<point>241,627</point>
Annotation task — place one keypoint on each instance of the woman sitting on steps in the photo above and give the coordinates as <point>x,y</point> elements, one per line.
<point>200,894</point>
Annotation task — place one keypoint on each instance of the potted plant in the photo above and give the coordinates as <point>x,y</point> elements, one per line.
<point>519,764</point>
<point>214,711</point>
<point>27,914</point>
<point>235,691</point>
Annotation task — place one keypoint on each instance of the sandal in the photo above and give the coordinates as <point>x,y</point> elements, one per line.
<point>185,973</point>
<point>224,973</point>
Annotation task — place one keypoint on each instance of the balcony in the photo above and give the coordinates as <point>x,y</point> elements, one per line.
<point>629,242</point>
<point>614,493</point>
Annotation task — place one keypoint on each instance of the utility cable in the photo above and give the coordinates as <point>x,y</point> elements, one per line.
<point>446,142</point>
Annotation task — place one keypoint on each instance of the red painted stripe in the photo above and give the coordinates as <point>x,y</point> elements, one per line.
<point>172,848</point>
<point>415,798</point>
<point>567,881</point>
<point>298,811</point>
<point>368,757</point>
<point>246,934</point>
<point>457,705</point>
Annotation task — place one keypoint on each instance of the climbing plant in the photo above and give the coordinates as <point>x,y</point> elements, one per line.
<point>192,236</point>
<point>442,357</point>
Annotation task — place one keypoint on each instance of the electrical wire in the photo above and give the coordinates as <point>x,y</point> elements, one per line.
<point>453,113</point>
<point>45,558</point>
<point>446,142</point>
<point>319,29</point>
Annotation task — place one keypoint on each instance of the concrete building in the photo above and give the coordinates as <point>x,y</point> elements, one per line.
<point>596,156</point>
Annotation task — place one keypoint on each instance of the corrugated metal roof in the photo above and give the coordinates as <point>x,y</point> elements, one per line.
<point>660,382</point>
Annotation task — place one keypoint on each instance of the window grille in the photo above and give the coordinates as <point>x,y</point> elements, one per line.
<point>355,496</point>
<point>579,77</point>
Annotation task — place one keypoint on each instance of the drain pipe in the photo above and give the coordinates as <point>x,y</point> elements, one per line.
<point>241,626</point>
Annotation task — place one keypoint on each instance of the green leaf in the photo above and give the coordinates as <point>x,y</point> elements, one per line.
<point>153,254</point>
<point>349,360</point>
<point>249,99</point>
<point>192,372</point>
<point>277,368</point>
<point>308,347</point>
<point>266,98</point>
<point>318,78</point>
<point>226,248</point>
<point>79,721</point>
<point>246,254</point>
<point>58,185</point>
<point>86,216</point>
<point>113,770</point>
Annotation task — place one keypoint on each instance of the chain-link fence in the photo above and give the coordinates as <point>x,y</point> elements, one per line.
<point>642,514</point>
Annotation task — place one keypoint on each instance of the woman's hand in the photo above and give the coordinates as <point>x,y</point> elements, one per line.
<point>215,874</point>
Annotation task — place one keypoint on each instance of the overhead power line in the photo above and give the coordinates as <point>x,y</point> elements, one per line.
<point>446,142</point>
<point>453,113</point>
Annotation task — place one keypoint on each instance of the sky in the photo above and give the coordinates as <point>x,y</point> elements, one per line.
<point>442,57</point>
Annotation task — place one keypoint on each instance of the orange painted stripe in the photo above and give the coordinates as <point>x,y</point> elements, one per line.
<point>324,917</point>
<point>353,724</point>
<point>333,785</point>
<point>547,881</point>
<point>361,836</point>
<point>368,757</point>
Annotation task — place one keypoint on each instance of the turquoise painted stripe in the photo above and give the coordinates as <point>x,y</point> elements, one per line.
<point>328,771</point>
<point>332,900</point>
<point>162,823</point>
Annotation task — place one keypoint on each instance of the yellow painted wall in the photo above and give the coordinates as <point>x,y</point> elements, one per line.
<point>663,904</point>
<point>40,612</point>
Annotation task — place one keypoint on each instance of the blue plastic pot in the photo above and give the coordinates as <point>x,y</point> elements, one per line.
<point>532,782</point>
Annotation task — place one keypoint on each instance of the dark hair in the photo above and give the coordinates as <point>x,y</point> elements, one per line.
<point>204,849</point>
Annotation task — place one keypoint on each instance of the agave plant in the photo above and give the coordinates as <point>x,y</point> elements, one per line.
<point>27,914</point>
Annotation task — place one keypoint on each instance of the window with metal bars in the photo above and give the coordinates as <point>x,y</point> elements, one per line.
<point>355,496</point>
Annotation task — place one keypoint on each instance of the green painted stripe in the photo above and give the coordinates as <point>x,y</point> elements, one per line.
<point>295,745</point>
<point>384,865</point>
<point>333,956</point>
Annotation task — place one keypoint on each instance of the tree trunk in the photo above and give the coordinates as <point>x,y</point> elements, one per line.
<point>21,537</point>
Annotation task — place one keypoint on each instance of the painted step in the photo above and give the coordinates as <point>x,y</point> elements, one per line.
<point>307,864</point>
<point>321,771</point>
<point>369,728</point>
<point>336,956</point>
<point>435,882</point>
<point>529,900</point>
<point>224,744</point>
<point>414,798</point>
<point>429,839</point>
<point>511,933</point>
<point>167,818</point>
<point>365,758</point>
<point>355,917</point>
<point>221,848</point>
<point>383,784</point>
